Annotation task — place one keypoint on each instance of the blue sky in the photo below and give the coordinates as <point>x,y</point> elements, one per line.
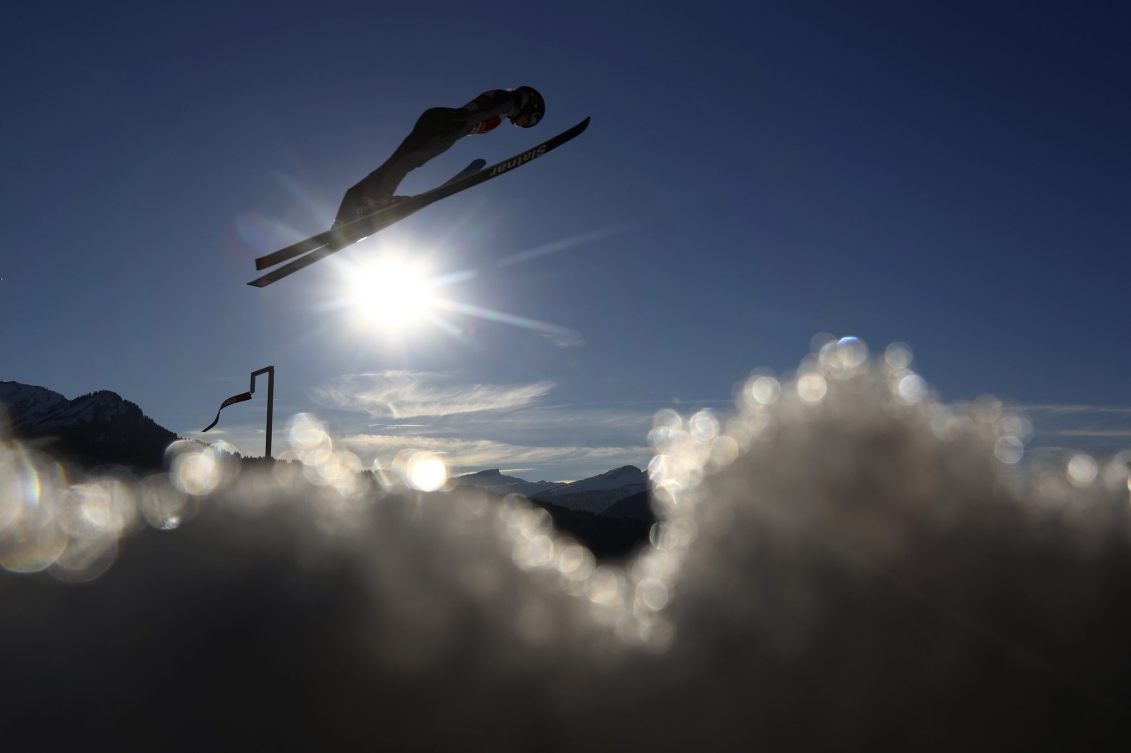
<point>954,176</point>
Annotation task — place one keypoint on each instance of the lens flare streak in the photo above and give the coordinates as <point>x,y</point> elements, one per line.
<point>559,334</point>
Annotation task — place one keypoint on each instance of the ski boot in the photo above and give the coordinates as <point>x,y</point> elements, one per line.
<point>370,206</point>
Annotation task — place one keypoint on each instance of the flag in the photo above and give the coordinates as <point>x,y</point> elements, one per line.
<point>230,401</point>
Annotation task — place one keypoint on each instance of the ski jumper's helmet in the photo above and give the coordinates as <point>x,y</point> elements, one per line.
<point>530,103</point>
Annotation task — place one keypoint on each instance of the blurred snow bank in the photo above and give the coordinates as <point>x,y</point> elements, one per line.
<point>845,562</point>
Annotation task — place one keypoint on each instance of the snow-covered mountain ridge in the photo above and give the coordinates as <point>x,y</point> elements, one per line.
<point>93,429</point>
<point>28,404</point>
<point>39,409</point>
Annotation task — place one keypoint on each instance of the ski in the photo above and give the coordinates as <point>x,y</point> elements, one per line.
<point>320,240</point>
<point>322,245</point>
<point>475,166</point>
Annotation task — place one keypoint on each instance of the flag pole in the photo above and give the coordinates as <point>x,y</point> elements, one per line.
<point>270,372</point>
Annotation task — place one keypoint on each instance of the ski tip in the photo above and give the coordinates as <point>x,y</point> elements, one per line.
<point>577,130</point>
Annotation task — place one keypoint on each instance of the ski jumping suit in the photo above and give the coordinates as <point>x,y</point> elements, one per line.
<point>434,133</point>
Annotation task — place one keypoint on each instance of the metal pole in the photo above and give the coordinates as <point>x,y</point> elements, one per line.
<point>270,371</point>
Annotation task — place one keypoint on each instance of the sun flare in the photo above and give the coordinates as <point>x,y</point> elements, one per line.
<point>391,293</point>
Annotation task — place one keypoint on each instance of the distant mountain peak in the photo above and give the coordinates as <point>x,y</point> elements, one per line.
<point>596,493</point>
<point>593,494</point>
<point>624,470</point>
<point>492,473</point>
<point>97,428</point>
<point>27,403</point>
<point>494,480</point>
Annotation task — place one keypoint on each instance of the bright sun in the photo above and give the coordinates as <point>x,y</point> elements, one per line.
<point>391,293</point>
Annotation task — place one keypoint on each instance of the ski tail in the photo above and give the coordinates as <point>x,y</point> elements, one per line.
<point>346,235</point>
<point>293,250</point>
<point>300,263</point>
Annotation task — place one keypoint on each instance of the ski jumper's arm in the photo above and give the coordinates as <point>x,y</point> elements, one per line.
<point>487,111</point>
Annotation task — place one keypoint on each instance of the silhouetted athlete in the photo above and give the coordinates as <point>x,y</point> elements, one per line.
<point>434,133</point>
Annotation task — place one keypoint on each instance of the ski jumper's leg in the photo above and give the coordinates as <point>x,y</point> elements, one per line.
<point>431,136</point>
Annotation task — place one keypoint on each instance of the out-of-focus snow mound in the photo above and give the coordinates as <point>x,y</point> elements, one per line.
<point>846,564</point>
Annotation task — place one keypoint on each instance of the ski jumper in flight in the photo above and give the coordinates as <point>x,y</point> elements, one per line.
<point>434,133</point>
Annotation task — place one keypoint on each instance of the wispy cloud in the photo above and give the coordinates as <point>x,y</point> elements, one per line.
<point>1101,428</point>
<point>404,394</point>
<point>475,453</point>
<point>604,425</point>
<point>564,339</point>
<point>1114,410</point>
<point>1091,433</point>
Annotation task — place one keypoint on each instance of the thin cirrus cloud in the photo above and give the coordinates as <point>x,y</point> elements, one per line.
<point>1092,432</point>
<point>1054,409</point>
<point>404,394</point>
<point>475,453</point>
<point>568,424</point>
<point>1094,422</point>
<point>483,425</point>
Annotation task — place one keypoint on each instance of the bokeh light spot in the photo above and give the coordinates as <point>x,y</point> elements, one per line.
<point>704,425</point>
<point>898,356</point>
<point>1009,450</point>
<point>912,389</point>
<point>765,390</point>
<point>195,473</point>
<point>811,388</point>
<point>160,504</point>
<point>652,594</point>
<point>1082,470</point>
<point>310,442</point>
